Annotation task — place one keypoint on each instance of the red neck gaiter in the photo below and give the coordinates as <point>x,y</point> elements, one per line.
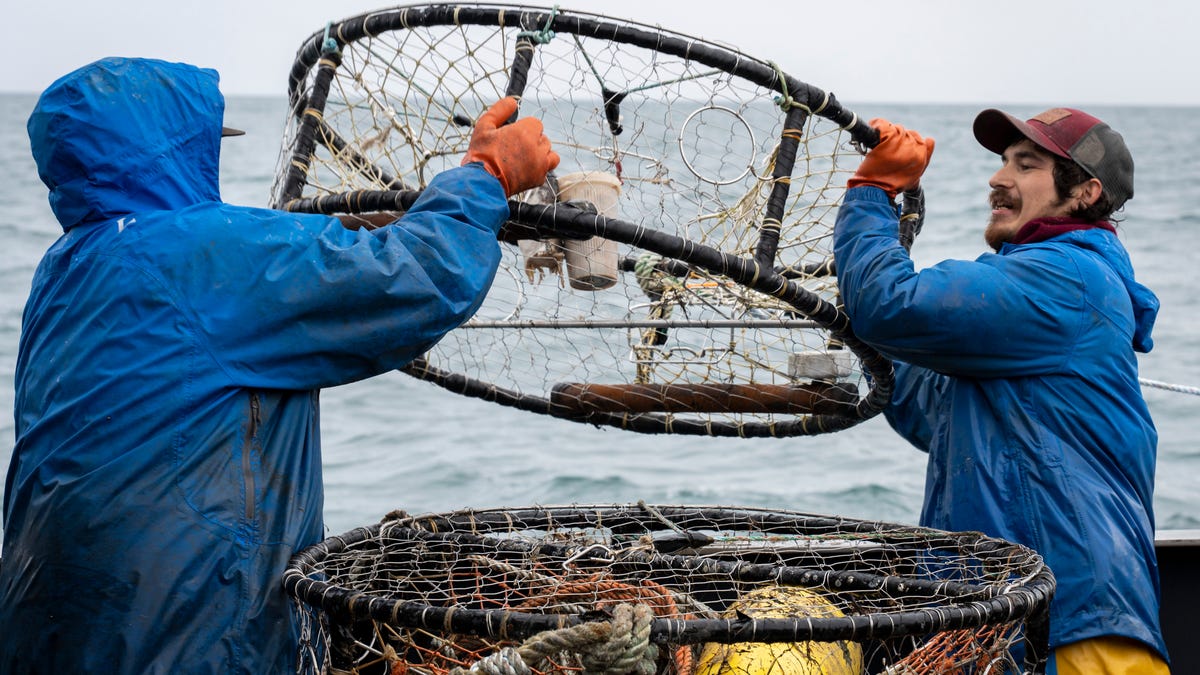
<point>1041,229</point>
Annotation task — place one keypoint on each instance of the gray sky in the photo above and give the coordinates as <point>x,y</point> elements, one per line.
<point>1069,52</point>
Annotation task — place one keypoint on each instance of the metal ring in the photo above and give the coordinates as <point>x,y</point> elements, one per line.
<point>749,131</point>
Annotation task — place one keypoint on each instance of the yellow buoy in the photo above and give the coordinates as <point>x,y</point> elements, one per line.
<point>782,658</point>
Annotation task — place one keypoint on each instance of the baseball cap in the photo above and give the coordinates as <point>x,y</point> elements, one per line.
<point>1069,133</point>
<point>230,131</point>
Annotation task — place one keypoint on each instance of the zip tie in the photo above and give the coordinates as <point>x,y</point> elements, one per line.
<point>544,35</point>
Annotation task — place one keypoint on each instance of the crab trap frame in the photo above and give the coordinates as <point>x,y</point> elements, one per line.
<point>688,590</point>
<point>674,275</point>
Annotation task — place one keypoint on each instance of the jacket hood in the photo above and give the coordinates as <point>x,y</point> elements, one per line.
<point>1144,301</point>
<point>124,135</point>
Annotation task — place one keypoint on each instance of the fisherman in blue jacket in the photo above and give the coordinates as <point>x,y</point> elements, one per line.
<point>167,460</point>
<point>1017,371</point>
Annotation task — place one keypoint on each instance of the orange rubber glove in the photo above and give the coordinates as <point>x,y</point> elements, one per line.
<point>517,154</point>
<point>897,163</point>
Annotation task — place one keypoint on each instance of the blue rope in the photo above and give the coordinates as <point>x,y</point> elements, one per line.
<point>329,45</point>
<point>545,34</point>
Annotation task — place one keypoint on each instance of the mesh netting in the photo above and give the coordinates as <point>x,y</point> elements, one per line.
<point>667,589</point>
<point>672,276</point>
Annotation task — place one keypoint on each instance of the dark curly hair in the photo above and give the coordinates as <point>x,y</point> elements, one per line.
<point>1067,175</point>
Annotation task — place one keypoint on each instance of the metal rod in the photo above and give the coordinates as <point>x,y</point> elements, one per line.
<point>641,323</point>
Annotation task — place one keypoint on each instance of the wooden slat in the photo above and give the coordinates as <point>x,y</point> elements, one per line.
<point>812,398</point>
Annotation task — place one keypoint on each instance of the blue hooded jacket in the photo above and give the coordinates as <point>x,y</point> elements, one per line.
<point>1016,373</point>
<point>167,460</point>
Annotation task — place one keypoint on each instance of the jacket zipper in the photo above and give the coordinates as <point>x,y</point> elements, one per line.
<point>247,448</point>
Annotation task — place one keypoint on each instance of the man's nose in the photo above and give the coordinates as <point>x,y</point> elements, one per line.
<point>999,179</point>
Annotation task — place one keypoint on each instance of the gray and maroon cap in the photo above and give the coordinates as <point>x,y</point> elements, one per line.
<point>1068,133</point>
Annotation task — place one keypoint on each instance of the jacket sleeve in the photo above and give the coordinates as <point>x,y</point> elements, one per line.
<point>915,403</point>
<point>1000,315</point>
<point>299,302</point>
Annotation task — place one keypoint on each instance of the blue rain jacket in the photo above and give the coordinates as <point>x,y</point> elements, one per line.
<point>167,460</point>
<point>1016,373</point>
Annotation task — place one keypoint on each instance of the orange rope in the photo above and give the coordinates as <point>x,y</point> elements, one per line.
<point>957,652</point>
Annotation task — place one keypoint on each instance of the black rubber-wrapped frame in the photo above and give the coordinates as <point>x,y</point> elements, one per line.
<point>967,606</point>
<point>798,98</point>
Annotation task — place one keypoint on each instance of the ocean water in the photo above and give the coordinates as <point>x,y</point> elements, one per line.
<point>396,443</point>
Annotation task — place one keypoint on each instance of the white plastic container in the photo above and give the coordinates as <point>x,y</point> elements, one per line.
<point>591,263</point>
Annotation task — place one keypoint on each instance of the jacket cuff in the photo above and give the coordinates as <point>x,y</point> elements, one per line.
<point>867,193</point>
<point>478,166</point>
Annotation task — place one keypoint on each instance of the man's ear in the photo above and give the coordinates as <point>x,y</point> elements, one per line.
<point>1088,191</point>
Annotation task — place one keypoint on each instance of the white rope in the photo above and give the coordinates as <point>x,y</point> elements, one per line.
<point>1179,388</point>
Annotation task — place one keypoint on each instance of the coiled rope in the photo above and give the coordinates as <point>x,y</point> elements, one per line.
<point>615,647</point>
